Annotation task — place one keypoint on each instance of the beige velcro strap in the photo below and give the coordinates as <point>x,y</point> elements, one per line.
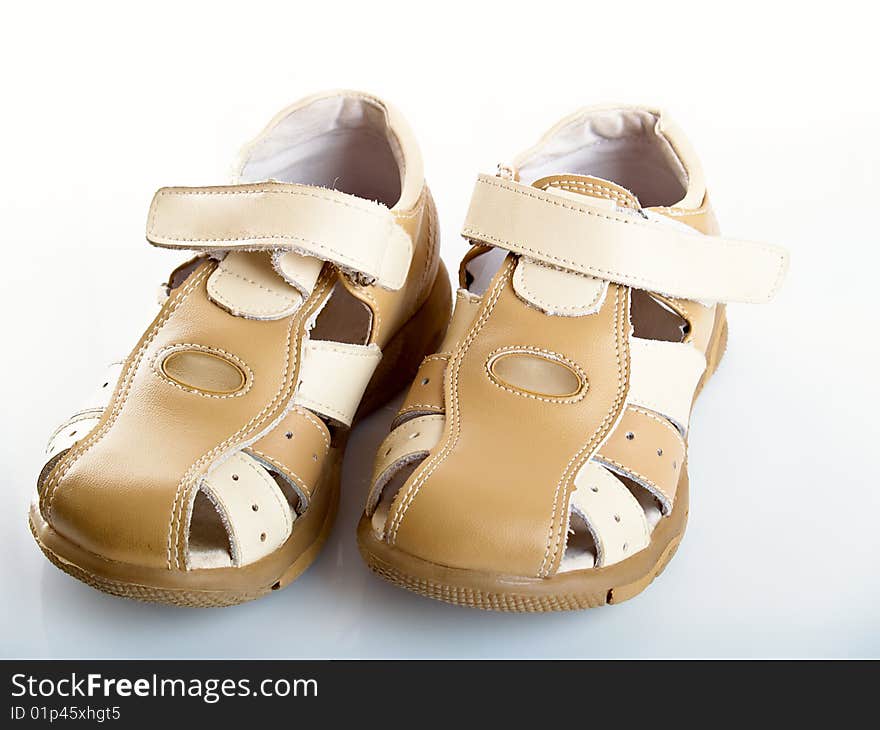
<point>358,235</point>
<point>621,246</point>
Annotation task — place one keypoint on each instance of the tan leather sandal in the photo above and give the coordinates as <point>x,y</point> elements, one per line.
<point>539,461</point>
<point>206,470</point>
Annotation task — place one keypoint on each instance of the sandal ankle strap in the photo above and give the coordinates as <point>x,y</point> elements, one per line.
<point>360,236</point>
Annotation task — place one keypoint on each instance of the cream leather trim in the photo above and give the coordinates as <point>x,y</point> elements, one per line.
<point>409,442</point>
<point>88,415</point>
<point>664,376</point>
<point>301,272</point>
<point>556,291</point>
<point>612,513</point>
<point>334,376</point>
<point>103,391</point>
<point>357,235</point>
<point>466,307</point>
<point>72,430</point>
<point>257,515</point>
<point>621,247</point>
<point>246,284</point>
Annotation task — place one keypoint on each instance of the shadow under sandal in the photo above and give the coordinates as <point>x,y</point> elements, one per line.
<point>539,462</point>
<point>205,472</point>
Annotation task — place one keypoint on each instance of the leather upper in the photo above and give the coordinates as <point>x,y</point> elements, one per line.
<point>263,346</point>
<point>604,303</point>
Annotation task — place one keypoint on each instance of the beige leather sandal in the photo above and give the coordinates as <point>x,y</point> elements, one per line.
<point>206,470</point>
<point>539,461</point>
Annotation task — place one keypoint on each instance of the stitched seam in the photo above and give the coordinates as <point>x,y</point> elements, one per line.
<point>663,409</point>
<point>286,302</point>
<point>327,408</point>
<point>364,291</point>
<point>291,357</point>
<point>287,471</point>
<point>87,415</point>
<point>423,371</point>
<point>322,429</point>
<point>596,438</point>
<point>384,215</point>
<point>269,483</point>
<point>407,498</point>
<point>419,207</point>
<point>300,286</point>
<point>580,186</point>
<point>368,354</point>
<point>444,356</point>
<point>229,272</point>
<point>582,376</point>
<point>119,401</point>
<point>431,245</point>
<point>637,475</point>
<point>370,268</point>
<point>380,212</point>
<point>644,281</point>
<point>395,442</point>
<point>715,240</point>
<point>537,299</point>
<point>174,524</point>
<point>377,312</point>
<point>661,420</point>
<point>165,351</point>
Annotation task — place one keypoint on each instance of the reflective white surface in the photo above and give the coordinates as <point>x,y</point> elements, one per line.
<point>780,557</point>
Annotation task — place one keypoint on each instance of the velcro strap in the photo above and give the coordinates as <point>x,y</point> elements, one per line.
<point>358,235</point>
<point>621,247</point>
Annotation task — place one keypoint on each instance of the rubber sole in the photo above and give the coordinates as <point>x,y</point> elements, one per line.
<point>218,587</point>
<point>575,590</point>
<point>94,576</point>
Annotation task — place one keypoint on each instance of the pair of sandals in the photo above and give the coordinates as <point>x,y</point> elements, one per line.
<point>539,459</point>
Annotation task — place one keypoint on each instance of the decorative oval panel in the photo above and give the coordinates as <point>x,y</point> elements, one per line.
<point>204,370</point>
<point>537,373</point>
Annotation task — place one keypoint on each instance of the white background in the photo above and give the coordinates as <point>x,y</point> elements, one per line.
<point>102,104</point>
